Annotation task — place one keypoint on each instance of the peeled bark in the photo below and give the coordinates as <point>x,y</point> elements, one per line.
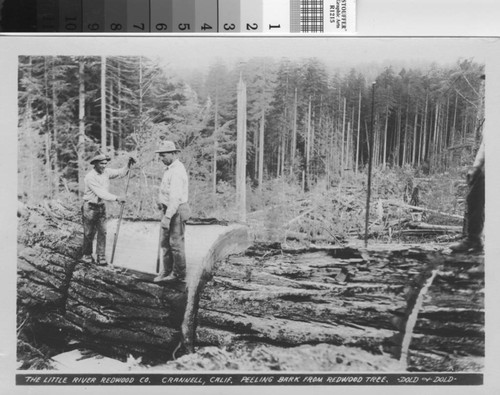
<point>357,298</point>
<point>114,310</point>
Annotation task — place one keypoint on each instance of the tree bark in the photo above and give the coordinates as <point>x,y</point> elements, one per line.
<point>81,125</point>
<point>341,296</point>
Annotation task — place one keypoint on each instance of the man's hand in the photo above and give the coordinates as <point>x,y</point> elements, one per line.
<point>165,223</point>
<point>131,161</point>
<point>121,199</point>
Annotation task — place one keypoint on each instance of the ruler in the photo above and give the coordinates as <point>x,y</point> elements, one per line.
<point>178,16</point>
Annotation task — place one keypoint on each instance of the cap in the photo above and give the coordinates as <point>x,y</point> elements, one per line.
<point>99,158</point>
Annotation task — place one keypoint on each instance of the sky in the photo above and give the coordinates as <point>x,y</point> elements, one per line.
<point>335,52</point>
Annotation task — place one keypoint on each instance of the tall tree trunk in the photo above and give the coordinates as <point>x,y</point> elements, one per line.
<point>454,127</point>
<point>342,147</point>
<point>216,146</point>
<point>294,133</point>
<point>397,139</point>
<point>261,148</point>
<point>29,140</point>
<point>436,136</point>
<point>119,110</point>
<point>357,138</point>
<point>414,150</point>
<point>384,158</point>
<point>405,133</point>
<point>349,148</point>
<point>81,124</point>
<point>241,157</point>
<point>308,145</point>
<point>424,131</point>
<point>47,127</point>
<point>141,95</point>
<point>103,105</point>
<point>55,136</point>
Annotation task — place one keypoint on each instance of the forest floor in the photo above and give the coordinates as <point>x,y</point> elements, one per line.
<point>291,219</point>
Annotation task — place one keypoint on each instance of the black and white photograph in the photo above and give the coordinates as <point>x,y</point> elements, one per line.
<point>237,211</point>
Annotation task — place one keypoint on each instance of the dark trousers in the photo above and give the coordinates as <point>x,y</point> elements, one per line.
<point>474,218</point>
<point>172,244</point>
<point>94,221</point>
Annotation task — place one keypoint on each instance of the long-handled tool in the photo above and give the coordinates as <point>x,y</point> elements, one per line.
<point>119,220</point>
<point>158,256</point>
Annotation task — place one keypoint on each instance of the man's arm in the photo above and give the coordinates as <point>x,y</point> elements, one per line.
<point>117,173</point>
<point>99,190</point>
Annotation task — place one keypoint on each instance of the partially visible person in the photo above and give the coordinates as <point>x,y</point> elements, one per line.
<point>173,201</point>
<point>94,207</point>
<point>474,215</point>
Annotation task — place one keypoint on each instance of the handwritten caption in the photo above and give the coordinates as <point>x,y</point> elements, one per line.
<point>252,379</point>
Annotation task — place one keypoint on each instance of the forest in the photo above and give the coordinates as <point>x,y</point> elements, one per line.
<point>308,130</point>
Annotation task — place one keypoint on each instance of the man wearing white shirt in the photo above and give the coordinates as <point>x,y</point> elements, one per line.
<point>173,201</point>
<point>94,208</point>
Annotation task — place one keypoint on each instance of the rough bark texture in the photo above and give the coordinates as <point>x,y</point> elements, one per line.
<point>351,298</point>
<point>339,296</point>
<point>114,310</point>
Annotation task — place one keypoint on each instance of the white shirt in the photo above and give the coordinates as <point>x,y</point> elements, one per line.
<point>174,188</point>
<point>97,185</point>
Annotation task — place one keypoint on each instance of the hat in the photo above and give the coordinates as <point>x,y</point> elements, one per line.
<point>167,146</point>
<point>99,158</point>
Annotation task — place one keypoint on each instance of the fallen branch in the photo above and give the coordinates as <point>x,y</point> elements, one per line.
<point>445,228</point>
<point>427,210</point>
<point>298,217</point>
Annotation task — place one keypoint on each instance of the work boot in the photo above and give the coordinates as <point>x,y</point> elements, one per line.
<point>172,277</point>
<point>467,245</point>
<point>87,259</point>
<point>160,277</point>
<point>101,261</point>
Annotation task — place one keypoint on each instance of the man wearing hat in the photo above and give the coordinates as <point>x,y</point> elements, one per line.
<point>94,209</point>
<point>173,201</point>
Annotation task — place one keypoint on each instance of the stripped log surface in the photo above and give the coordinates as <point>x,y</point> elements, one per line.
<point>115,310</point>
<point>346,297</point>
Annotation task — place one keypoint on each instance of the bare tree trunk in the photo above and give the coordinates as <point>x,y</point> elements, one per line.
<point>29,140</point>
<point>342,141</point>
<point>294,133</point>
<point>384,158</point>
<point>47,126</point>
<point>103,105</point>
<point>119,110</point>
<point>81,124</point>
<point>216,146</point>
<point>397,139</point>
<point>424,132</point>
<point>308,145</point>
<point>55,137</point>
<point>261,148</point>
<point>435,139</point>
<point>241,149</point>
<point>454,127</point>
<point>349,148</point>
<point>414,151</point>
<point>357,138</point>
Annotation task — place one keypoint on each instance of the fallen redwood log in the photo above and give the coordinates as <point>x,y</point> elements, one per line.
<point>115,310</point>
<point>348,297</point>
<point>362,299</point>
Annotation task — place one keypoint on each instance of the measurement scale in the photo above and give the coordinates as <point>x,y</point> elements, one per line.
<point>178,16</point>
